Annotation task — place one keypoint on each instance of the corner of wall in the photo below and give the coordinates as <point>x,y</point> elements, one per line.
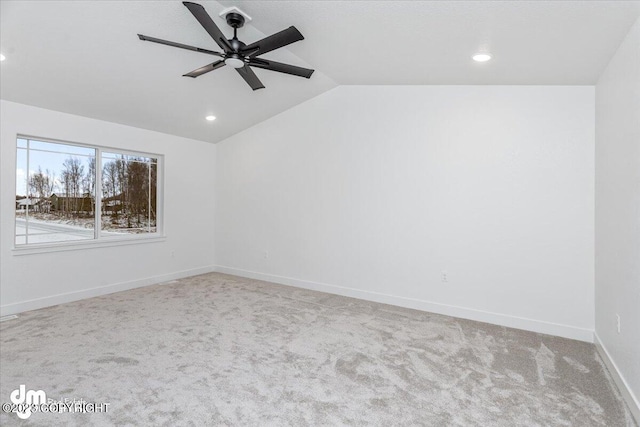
<point>617,234</point>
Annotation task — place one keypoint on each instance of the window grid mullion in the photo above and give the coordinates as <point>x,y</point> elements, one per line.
<point>98,195</point>
<point>26,218</point>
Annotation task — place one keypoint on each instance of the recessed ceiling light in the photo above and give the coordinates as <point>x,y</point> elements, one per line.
<point>481,57</point>
<point>210,118</point>
<point>2,57</point>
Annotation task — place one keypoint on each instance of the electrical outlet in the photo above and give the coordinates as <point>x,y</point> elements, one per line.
<point>173,254</point>
<point>265,254</point>
<point>618,322</point>
<point>444,277</point>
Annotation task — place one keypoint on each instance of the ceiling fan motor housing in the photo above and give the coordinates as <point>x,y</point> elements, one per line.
<point>236,44</point>
<point>235,59</point>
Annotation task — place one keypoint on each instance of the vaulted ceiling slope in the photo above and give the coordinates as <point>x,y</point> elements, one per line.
<point>84,58</point>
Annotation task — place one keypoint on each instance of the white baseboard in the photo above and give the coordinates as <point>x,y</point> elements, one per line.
<point>49,301</point>
<point>632,401</point>
<point>540,326</point>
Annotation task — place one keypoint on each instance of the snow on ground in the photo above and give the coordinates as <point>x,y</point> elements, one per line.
<point>47,228</point>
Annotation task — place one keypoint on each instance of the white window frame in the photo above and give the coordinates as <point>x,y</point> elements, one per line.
<point>97,241</point>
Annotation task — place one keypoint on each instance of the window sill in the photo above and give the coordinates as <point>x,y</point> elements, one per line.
<point>92,244</point>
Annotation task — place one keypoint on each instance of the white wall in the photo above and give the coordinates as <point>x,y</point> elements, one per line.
<point>38,280</point>
<point>617,213</point>
<point>374,191</point>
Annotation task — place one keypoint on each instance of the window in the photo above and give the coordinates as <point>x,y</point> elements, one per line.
<point>69,192</point>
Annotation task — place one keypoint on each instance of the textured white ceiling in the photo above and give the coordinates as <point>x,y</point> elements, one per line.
<point>83,57</point>
<point>431,42</point>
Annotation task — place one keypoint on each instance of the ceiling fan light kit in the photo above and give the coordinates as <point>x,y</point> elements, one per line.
<point>236,53</point>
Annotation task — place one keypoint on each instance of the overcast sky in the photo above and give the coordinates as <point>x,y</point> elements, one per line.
<point>50,156</point>
<point>46,156</point>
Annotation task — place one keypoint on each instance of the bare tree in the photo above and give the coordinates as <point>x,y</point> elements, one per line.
<point>137,187</point>
<point>121,170</point>
<point>110,185</point>
<point>42,184</point>
<point>153,190</point>
<point>72,174</point>
<point>129,188</point>
<point>89,181</point>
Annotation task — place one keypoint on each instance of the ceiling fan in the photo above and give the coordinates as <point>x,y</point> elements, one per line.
<point>237,54</point>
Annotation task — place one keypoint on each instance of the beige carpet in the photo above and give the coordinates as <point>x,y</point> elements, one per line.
<point>222,350</point>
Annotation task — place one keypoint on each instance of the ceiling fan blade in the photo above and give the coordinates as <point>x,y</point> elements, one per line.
<point>180,45</point>
<point>250,77</point>
<point>274,41</point>
<point>205,20</point>
<point>202,70</point>
<point>280,67</point>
